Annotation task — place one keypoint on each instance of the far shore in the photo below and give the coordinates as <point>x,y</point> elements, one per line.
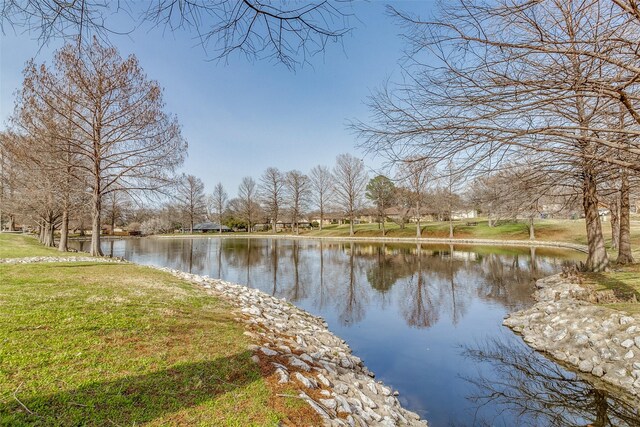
<point>380,239</point>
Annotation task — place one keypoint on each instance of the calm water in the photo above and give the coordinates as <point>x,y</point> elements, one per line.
<point>426,319</point>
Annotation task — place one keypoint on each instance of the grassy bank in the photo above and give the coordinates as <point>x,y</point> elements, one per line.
<point>118,344</point>
<point>18,246</point>
<point>623,283</point>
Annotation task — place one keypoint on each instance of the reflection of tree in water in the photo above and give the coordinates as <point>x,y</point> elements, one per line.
<point>418,306</point>
<point>243,254</point>
<point>298,290</point>
<point>509,278</point>
<point>538,392</point>
<point>383,273</point>
<point>354,298</point>
<point>434,288</point>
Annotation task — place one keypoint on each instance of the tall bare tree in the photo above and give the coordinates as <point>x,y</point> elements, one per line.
<point>247,202</point>
<point>514,79</point>
<point>190,193</point>
<point>350,180</point>
<point>297,192</point>
<point>121,135</point>
<point>272,191</point>
<point>415,173</point>
<point>219,199</point>
<point>322,189</point>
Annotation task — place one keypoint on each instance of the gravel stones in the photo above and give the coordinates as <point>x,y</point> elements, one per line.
<point>309,358</point>
<point>591,338</point>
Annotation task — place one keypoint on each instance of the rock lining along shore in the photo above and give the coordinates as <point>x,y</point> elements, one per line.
<point>299,348</point>
<point>601,343</point>
<point>304,354</point>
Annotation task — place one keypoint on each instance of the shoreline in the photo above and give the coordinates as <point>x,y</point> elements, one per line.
<point>597,342</point>
<point>298,348</point>
<point>413,240</point>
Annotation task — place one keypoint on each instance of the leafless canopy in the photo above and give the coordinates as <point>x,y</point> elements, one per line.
<point>288,32</point>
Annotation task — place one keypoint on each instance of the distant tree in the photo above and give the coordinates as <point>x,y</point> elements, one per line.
<point>322,189</point>
<point>190,193</point>
<point>415,173</point>
<point>248,206</point>
<point>272,193</point>
<point>350,181</point>
<point>297,191</point>
<point>381,191</point>
<point>123,138</point>
<point>219,203</point>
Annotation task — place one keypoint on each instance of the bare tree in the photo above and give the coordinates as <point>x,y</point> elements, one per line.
<point>414,173</point>
<point>350,180</point>
<point>122,137</point>
<point>272,193</point>
<point>190,193</point>
<point>322,189</point>
<point>287,33</point>
<point>219,202</point>
<point>248,206</point>
<point>297,191</point>
<point>514,80</point>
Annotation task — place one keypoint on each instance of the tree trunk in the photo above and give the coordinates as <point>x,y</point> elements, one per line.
<point>418,228</point>
<point>95,223</point>
<point>624,245</point>
<point>614,208</point>
<point>49,241</point>
<point>351,232</point>
<point>597,259</point>
<point>321,217</point>
<point>64,231</point>
<point>532,232</point>
<point>12,223</point>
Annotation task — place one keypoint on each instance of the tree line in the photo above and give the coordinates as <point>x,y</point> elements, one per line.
<point>549,89</point>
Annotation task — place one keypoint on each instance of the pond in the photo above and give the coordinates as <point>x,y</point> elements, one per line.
<point>426,319</point>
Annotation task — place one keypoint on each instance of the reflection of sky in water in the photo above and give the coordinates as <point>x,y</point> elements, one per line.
<point>407,311</point>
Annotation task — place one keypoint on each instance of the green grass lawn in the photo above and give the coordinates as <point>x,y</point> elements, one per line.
<point>98,344</point>
<point>625,284</point>
<point>19,246</point>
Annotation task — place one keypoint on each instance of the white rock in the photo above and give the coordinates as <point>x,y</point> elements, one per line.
<point>372,387</point>
<point>307,382</point>
<point>268,351</point>
<point>597,371</point>
<point>629,354</point>
<point>329,403</point>
<point>323,380</point>
<point>341,388</point>
<point>366,400</point>
<point>283,376</point>
<point>297,363</point>
<point>627,343</point>
<point>624,320</point>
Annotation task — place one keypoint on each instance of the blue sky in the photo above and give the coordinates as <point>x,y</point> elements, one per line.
<point>241,117</point>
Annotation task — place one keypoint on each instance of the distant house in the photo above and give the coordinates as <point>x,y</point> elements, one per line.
<point>398,214</point>
<point>205,227</point>
<point>464,214</point>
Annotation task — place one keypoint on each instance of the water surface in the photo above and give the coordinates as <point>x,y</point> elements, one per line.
<point>426,319</point>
